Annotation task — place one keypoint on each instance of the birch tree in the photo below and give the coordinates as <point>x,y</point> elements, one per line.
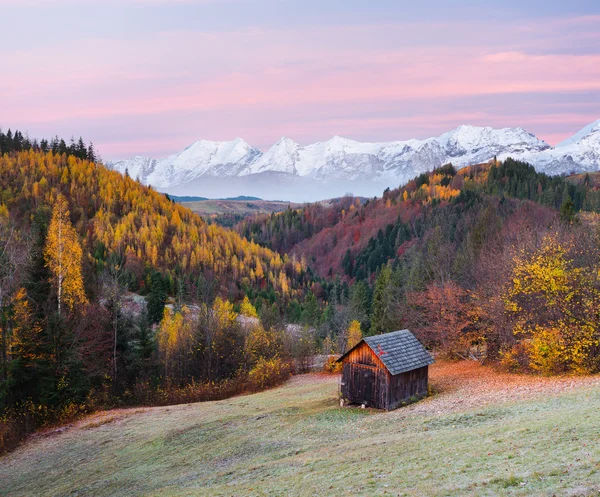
<point>63,256</point>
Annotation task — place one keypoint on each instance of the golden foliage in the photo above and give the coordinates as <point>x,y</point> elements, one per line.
<point>175,342</point>
<point>553,304</point>
<point>127,217</point>
<point>261,344</point>
<point>354,334</point>
<point>268,372</point>
<point>224,313</point>
<point>63,256</point>
<point>247,309</point>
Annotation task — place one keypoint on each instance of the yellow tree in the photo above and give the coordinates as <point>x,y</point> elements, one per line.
<point>553,304</point>
<point>354,334</point>
<point>175,344</point>
<point>63,257</point>
<point>247,309</point>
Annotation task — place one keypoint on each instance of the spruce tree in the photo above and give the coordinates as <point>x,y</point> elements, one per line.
<point>381,318</point>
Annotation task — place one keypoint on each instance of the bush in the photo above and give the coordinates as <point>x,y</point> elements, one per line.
<point>21,420</point>
<point>147,395</point>
<point>331,366</point>
<point>514,358</point>
<point>268,373</point>
<point>546,351</point>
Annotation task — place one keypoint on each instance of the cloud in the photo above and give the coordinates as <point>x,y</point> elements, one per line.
<point>308,82</point>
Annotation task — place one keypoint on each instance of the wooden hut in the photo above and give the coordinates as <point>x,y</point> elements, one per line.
<point>385,371</point>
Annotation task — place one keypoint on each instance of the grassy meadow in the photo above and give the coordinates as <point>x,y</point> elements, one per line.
<point>481,433</point>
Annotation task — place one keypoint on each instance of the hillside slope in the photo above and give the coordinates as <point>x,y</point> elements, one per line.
<point>113,213</point>
<point>367,234</point>
<point>295,441</point>
<point>75,239</point>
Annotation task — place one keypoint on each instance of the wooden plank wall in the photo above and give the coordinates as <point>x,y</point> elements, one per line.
<point>405,386</point>
<point>364,355</point>
<point>365,384</point>
<point>365,380</point>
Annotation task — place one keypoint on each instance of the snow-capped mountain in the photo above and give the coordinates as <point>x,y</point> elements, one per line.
<point>579,153</point>
<point>199,159</point>
<point>339,165</point>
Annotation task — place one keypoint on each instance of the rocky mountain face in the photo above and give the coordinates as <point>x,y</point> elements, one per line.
<point>339,165</point>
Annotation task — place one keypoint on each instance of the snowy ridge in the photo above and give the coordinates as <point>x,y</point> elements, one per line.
<point>361,165</point>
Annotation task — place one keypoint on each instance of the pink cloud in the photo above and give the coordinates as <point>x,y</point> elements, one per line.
<point>286,72</point>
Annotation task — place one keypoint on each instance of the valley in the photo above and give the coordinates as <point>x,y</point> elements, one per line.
<point>237,209</point>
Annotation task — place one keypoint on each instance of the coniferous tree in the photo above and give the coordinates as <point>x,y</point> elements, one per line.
<point>157,298</point>
<point>360,304</point>
<point>382,312</point>
<point>311,312</point>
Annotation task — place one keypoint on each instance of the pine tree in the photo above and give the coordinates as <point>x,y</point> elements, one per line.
<point>157,298</point>
<point>380,320</point>
<point>63,257</point>
<point>360,304</point>
<point>567,211</point>
<point>311,313</point>
<point>91,154</point>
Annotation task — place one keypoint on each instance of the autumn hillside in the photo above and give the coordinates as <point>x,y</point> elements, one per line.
<point>493,261</point>
<point>370,233</point>
<point>112,294</point>
<point>113,213</point>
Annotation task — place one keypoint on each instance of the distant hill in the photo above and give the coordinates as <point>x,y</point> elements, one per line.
<point>363,235</point>
<point>186,199</point>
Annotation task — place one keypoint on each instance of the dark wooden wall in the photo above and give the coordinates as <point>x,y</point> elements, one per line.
<point>364,384</point>
<point>404,387</point>
<point>365,380</point>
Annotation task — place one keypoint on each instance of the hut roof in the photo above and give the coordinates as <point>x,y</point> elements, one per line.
<point>400,351</point>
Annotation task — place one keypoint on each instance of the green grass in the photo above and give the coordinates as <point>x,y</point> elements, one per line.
<point>296,441</point>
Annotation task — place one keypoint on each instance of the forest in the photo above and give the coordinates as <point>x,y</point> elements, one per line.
<point>494,260</point>
<point>111,294</point>
<point>80,247</point>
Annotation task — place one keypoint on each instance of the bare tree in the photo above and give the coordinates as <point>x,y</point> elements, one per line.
<point>14,257</point>
<point>114,286</point>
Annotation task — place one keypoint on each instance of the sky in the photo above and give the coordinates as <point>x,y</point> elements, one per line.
<point>149,77</point>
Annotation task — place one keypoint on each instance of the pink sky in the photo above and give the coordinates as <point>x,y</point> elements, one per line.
<point>155,92</point>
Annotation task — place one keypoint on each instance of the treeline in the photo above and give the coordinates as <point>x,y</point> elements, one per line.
<point>17,142</point>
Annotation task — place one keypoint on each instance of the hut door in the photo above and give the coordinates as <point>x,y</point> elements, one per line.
<point>368,385</point>
<point>364,384</point>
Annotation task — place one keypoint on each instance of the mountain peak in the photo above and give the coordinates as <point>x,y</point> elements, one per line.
<point>284,140</point>
<point>342,163</point>
<point>338,142</point>
<point>591,128</point>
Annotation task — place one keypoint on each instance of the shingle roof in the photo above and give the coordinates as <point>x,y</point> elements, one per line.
<point>399,351</point>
